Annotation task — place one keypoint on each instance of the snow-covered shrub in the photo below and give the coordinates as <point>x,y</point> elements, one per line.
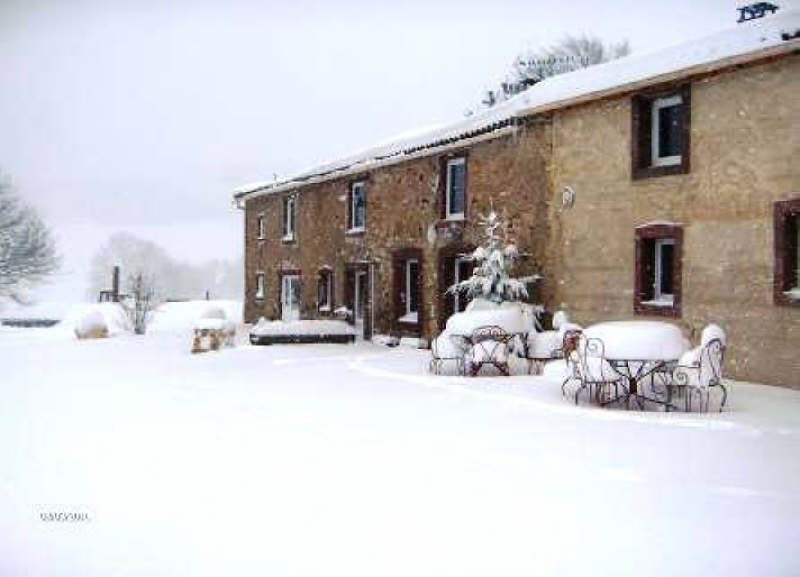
<point>92,325</point>
<point>98,321</point>
<point>491,279</point>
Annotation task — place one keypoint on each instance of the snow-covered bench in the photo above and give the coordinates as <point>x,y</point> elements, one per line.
<point>301,332</point>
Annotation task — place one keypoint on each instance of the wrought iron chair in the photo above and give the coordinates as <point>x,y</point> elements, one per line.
<point>442,356</point>
<point>489,347</point>
<point>705,372</point>
<point>540,347</point>
<point>587,365</point>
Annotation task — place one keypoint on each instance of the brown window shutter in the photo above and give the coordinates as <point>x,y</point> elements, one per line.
<point>399,265</point>
<point>448,274</point>
<point>686,125</point>
<point>443,187</point>
<point>283,215</point>
<point>350,215</point>
<point>648,268</point>
<point>645,133</point>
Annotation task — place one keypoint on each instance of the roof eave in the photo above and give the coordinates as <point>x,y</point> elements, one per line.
<point>750,58</point>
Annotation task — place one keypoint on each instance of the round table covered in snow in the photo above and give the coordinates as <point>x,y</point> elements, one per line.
<point>637,350</point>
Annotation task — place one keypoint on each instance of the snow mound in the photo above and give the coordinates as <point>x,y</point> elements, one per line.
<point>183,317</point>
<point>302,327</point>
<point>644,340</point>
<point>97,320</point>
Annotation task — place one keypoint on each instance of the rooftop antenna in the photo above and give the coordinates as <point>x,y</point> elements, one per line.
<point>757,10</point>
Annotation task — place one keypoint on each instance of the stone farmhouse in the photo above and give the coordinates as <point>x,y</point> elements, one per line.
<point>660,185</point>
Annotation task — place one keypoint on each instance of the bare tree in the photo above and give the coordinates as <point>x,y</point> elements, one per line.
<point>571,53</point>
<point>172,278</point>
<point>140,301</point>
<point>27,251</point>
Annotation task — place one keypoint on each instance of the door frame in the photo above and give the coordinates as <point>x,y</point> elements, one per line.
<point>352,271</point>
<point>290,274</point>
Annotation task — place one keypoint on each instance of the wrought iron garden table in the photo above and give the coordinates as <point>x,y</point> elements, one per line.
<point>641,351</point>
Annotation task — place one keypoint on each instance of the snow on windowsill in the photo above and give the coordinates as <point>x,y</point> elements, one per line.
<point>659,303</point>
<point>410,318</point>
<point>356,231</point>
<point>793,294</point>
<point>659,223</point>
<point>288,238</point>
<point>325,309</point>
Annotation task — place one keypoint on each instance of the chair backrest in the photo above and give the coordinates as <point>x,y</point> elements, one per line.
<point>712,356</point>
<point>489,333</point>
<point>592,362</point>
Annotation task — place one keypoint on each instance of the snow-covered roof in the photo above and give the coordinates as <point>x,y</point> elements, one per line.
<point>755,39</point>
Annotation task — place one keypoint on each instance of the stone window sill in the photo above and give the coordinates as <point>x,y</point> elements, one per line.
<point>451,223</point>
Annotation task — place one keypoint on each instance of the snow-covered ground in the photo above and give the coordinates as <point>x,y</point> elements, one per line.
<point>350,460</point>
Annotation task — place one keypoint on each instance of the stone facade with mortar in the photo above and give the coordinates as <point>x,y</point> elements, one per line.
<point>743,158</point>
<point>403,218</point>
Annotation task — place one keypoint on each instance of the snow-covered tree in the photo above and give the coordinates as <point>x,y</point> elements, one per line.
<point>27,251</point>
<point>571,53</point>
<point>140,302</point>
<point>491,278</point>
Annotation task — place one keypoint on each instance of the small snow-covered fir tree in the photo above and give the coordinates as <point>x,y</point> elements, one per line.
<point>491,278</point>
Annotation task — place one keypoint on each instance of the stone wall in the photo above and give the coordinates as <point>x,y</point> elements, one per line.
<point>402,213</point>
<point>744,157</point>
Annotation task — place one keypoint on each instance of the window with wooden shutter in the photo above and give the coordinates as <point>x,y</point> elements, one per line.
<point>657,283</point>
<point>661,133</point>
<point>787,252</point>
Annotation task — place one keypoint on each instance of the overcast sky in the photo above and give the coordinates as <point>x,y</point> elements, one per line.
<point>143,116</point>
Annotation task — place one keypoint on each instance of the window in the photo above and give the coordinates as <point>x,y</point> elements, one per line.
<point>455,188</point>
<point>665,257</point>
<point>787,252</point>
<point>357,217</point>
<point>260,285</point>
<point>657,288</point>
<point>666,131</point>
<point>660,133</point>
<point>289,218</point>
<point>462,270</point>
<point>260,227</point>
<point>408,307</point>
<point>325,290</point>
<point>412,291</point>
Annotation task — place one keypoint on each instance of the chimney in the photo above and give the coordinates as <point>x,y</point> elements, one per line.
<point>757,10</point>
<point>115,285</point>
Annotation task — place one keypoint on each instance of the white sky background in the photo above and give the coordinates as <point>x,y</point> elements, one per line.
<point>143,116</point>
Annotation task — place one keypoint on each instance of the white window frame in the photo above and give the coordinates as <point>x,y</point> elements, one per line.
<point>352,219</point>
<point>288,218</point>
<point>260,286</point>
<point>657,105</point>
<point>286,289</point>
<point>327,277</point>
<point>261,228</point>
<point>358,298</point>
<point>409,262</point>
<point>458,261</point>
<point>460,161</point>
<point>658,296</point>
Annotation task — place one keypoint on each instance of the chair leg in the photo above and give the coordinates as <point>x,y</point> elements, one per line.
<point>724,396</point>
